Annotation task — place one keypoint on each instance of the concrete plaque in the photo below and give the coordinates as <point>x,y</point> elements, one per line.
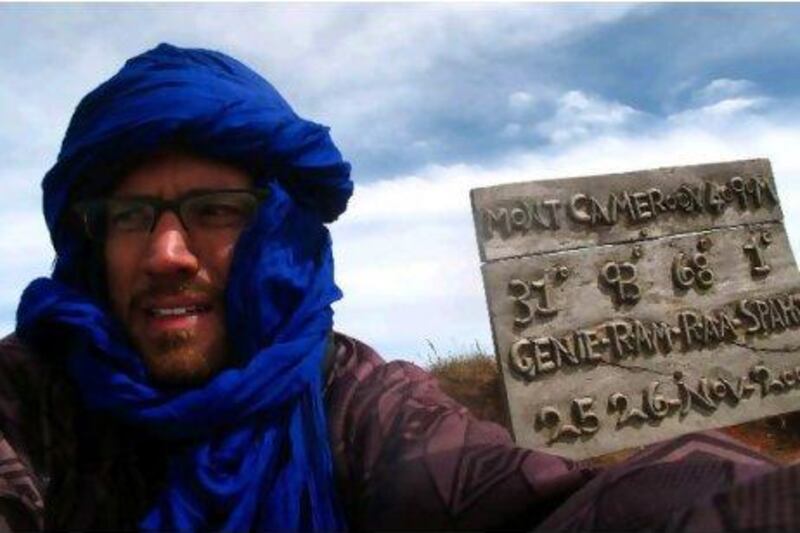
<point>631,308</point>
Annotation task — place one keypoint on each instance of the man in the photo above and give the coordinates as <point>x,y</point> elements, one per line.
<point>178,370</point>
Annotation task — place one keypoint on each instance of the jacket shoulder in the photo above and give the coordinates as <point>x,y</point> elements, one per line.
<point>23,378</point>
<point>350,359</point>
<point>23,375</point>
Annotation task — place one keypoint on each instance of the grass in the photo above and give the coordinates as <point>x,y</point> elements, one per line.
<point>472,379</point>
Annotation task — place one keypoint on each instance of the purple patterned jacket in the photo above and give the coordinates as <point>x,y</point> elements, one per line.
<point>406,457</point>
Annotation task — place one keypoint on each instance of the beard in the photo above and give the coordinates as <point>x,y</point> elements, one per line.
<point>176,359</point>
<point>186,356</point>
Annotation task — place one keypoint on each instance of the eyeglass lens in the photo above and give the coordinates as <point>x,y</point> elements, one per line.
<point>217,210</point>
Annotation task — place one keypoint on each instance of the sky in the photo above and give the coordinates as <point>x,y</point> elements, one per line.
<point>427,101</point>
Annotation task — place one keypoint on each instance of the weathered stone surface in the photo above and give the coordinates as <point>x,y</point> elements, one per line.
<point>553,215</point>
<point>619,345</point>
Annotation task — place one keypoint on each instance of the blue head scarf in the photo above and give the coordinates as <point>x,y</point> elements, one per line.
<point>255,453</point>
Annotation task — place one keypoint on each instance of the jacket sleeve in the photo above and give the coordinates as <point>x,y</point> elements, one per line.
<point>409,457</point>
<point>21,505</point>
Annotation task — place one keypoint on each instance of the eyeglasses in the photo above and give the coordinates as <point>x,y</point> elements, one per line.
<point>199,211</point>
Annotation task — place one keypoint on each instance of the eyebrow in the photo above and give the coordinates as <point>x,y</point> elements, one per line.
<point>190,192</point>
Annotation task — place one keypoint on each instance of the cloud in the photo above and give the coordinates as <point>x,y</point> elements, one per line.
<point>402,85</point>
<point>25,249</point>
<point>520,101</point>
<point>721,101</point>
<point>723,89</point>
<point>721,111</point>
<point>406,251</point>
<point>428,101</point>
<point>386,77</point>
<point>578,115</point>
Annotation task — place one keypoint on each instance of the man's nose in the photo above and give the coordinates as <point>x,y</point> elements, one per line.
<point>168,248</point>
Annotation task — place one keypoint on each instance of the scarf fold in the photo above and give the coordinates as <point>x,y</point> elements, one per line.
<point>253,441</point>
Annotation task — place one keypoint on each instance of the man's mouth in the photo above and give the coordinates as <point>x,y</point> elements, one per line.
<point>161,311</point>
<point>177,311</point>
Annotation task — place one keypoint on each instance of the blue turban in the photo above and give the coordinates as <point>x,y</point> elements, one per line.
<point>255,453</point>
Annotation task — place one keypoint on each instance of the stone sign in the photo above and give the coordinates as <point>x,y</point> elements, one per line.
<point>629,308</point>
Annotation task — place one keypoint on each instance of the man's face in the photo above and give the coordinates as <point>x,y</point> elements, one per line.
<point>167,286</point>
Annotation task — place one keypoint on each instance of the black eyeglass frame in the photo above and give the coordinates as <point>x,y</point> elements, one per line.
<point>87,209</point>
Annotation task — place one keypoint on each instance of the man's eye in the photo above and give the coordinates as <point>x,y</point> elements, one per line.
<point>128,218</point>
<point>218,214</point>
